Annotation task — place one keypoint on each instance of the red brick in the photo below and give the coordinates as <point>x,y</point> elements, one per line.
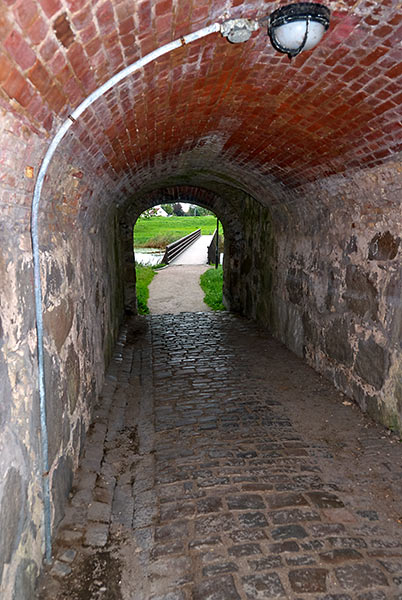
<point>19,50</point>
<point>163,7</point>
<point>88,34</point>
<point>127,26</point>
<point>26,12</point>
<point>5,68</point>
<point>105,17</point>
<point>82,19</point>
<point>93,47</point>
<point>48,122</point>
<point>55,99</point>
<point>58,63</point>
<point>40,78</point>
<point>373,56</point>
<point>50,7</point>
<point>143,10</point>
<point>74,5</point>
<point>48,50</point>
<point>35,106</point>
<point>77,59</point>
<point>16,87</point>
<point>38,31</point>
<point>396,71</point>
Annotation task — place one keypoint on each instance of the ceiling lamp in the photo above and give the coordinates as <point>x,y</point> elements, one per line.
<point>298,27</point>
<point>291,29</point>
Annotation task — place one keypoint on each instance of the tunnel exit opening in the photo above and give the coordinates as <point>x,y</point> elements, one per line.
<point>183,236</point>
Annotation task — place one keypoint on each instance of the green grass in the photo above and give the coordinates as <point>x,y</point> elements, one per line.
<point>158,232</point>
<point>144,278</point>
<point>211,283</point>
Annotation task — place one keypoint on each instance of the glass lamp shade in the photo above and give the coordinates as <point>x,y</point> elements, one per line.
<point>291,35</point>
<point>298,27</point>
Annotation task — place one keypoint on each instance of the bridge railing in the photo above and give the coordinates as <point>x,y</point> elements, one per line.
<point>174,249</point>
<point>212,249</point>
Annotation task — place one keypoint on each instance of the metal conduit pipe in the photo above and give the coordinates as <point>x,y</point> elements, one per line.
<point>187,39</point>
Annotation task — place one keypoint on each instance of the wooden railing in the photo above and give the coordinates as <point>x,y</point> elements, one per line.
<point>212,249</point>
<point>174,249</point>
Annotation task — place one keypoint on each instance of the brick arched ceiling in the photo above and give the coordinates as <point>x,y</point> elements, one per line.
<point>240,113</point>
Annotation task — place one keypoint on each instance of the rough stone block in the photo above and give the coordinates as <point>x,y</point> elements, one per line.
<point>267,585</point>
<point>222,587</point>
<point>372,362</point>
<point>308,580</point>
<point>97,535</point>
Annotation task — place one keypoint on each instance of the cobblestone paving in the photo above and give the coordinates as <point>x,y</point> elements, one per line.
<point>197,485</point>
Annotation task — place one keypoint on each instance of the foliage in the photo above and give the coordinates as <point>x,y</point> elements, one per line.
<point>178,210</point>
<point>168,208</point>
<point>150,212</point>
<point>211,282</point>
<point>160,231</point>
<point>144,277</point>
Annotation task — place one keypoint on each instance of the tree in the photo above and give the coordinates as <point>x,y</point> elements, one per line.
<point>150,212</point>
<point>168,208</point>
<point>177,210</point>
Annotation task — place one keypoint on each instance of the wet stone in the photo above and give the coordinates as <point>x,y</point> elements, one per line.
<point>217,569</point>
<point>253,520</point>
<point>325,500</point>
<point>243,535</point>
<point>284,500</point>
<point>211,524</point>
<point>245,502</point>
<point>360,576</point>
<point>266,586</point>
<point>171,531</point>
<point>288,546</point>
<point>308,580</point>
<point>288,531</point>
<point>209,504</point>
<point>245,550</point>
<point>166,549</point>
<point>340,555</point>
<point>370,515</point>
<point>293,516</point>
<point>347,542</point>
<point>303,560</point>
<point>205,542</point>
<point>266,563</point>
<point>216,588</point>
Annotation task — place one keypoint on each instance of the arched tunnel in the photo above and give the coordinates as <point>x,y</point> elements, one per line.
<point>300,160</point>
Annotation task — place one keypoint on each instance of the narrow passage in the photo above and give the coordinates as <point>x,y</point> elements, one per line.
<point>221,467</point>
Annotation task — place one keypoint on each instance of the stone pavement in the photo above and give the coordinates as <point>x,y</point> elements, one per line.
<point>220,467</point>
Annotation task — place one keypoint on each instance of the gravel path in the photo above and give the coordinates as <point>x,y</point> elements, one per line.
<point>177,289</point>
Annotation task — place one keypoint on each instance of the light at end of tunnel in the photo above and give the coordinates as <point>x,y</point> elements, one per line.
<point>29,172</point>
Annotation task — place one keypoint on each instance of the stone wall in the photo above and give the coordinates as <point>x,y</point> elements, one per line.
<point>80,258</point>
<point>324,274</point>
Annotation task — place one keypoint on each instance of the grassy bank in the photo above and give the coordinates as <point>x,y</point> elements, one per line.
<point>144,278</point>
<point>158,232</point>
<point>211,283</point>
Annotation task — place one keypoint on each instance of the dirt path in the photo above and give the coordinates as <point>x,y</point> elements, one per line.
<point>177,289</point>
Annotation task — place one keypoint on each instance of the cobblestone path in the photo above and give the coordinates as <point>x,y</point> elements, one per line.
<point>220,467</point>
